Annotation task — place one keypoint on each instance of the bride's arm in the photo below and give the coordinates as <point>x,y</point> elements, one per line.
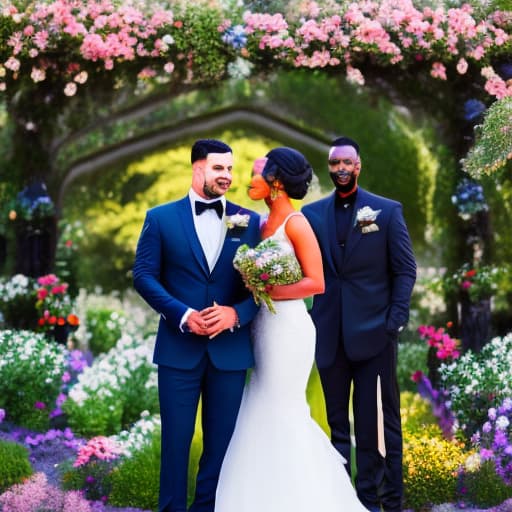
<point>308,254</point>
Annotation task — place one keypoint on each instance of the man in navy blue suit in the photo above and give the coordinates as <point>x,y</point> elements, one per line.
<point>369,271</point>
<point>184,270</point>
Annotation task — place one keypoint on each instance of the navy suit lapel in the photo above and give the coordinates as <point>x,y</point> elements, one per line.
<point>187,219</point>
<point>326,232</point>
<point>231,209</point>
<point>355,233</point>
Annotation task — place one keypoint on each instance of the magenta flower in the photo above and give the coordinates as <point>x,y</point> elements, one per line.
<point>264,276</point>
<point>486,454</point>
<point>40,405</point>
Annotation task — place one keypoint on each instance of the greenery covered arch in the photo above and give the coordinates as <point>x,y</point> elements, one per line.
<point>67,64</point>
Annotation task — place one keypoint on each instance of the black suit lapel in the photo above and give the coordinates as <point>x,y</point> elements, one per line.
<point>328,237</point>
<point>354,233</point>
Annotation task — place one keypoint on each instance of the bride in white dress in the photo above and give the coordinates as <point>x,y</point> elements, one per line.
<point>279,459</point>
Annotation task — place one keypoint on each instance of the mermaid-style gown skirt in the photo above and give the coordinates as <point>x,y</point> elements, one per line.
<point>279,459</point>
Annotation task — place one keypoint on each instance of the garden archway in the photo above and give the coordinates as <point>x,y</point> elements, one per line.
<point>63,62</point>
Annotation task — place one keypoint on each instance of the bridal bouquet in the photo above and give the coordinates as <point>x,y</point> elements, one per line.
<point>264,266</point>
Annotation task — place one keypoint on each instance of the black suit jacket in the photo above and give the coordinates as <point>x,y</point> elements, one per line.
<point>368,287</point>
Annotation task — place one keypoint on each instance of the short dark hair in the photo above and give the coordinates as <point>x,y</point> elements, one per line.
<point>203,147</point>
<point>291,168</point>
<point>345,141</point>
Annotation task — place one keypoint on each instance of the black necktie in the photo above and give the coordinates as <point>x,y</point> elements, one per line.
<point>215,205</point>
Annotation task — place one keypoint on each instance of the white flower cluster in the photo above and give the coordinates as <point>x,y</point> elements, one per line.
<point>34,351</point>
<point>17,286</point>
<point>140,434</point>
<point>110,372</point>
<point>477,375</point>
<point>137,320</point>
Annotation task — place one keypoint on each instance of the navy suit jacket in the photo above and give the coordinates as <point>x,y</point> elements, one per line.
<point>368,289</point>
<point>171,273</point>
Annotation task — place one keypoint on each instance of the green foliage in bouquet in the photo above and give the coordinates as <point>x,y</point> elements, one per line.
<point>430,468</point>
<point>264,266</point>
<point>111,393</point>
<point>480,486</point>
<point>14,464</point>
<point>31,369</point>
<point>104,328</point>
<point>135,480</point>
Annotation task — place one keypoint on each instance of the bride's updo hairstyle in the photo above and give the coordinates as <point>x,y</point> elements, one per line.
<point>291,168</point>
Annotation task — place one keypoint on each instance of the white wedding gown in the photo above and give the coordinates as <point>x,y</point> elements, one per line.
<point>279,459</point>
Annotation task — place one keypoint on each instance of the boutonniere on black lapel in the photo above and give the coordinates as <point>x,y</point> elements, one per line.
<point>366,218</point>
<point>235,223</point>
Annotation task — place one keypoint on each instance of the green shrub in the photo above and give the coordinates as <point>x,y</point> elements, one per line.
<point>104,328</point>
<point>31,369</point>
<point>430,468</point>
<point>481,486</point>
<point>412,356</point>
<point>14,464</point>
<point>135,481</point>
<point>111,394</point>
<point>93,479</point>
<point>94,416</point>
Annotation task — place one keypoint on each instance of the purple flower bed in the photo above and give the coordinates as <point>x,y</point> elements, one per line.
<point>50,449</point>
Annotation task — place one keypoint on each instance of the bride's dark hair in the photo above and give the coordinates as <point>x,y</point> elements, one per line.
<point>291,168</point>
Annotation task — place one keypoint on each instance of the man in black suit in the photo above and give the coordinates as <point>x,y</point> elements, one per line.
<point>369,271</point>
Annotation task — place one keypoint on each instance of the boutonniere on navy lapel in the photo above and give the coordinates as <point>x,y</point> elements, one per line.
<point>366,218</point>
<point>238,220</point>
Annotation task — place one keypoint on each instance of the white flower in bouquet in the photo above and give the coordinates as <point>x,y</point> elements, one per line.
<point>264,266</point>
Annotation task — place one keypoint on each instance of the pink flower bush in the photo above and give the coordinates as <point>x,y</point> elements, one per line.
<point>446,346</point>
<point>95,37</point>
<point>36,494</point>
<point>393,31</point>
<point>100,448</point>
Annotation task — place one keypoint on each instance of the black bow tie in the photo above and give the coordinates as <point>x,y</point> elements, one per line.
<point>215,205</point>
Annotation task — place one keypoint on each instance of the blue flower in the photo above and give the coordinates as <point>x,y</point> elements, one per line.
<point>469,198</point>
<point>235,36</point>
<point>473,109</point>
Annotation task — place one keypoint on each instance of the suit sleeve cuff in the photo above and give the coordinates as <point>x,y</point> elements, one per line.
<point>183,322</point>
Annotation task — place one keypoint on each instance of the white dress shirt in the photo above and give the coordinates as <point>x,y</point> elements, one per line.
<point>209,228</point>
<point>211,232</point>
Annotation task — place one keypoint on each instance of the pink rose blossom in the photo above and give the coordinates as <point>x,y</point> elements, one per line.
<point>462,66</point>
<point>438,71</point>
